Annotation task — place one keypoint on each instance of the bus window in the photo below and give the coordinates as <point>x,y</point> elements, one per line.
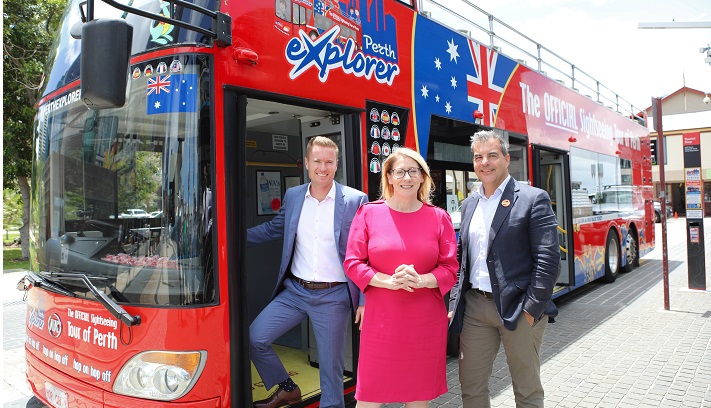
<point>282,9</point>
<point>300,14</point>
<point>123,193</point>
<point>604,179</point>
<point>518,166</point>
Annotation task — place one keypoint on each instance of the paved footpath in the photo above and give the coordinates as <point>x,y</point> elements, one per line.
<point>613,345</point>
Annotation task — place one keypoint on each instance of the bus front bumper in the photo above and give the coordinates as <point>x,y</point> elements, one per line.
<point>59,390</point>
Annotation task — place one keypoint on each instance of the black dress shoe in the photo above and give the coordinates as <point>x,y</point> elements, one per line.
<point>280,398</point>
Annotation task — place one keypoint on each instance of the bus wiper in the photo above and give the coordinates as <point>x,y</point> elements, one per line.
<point>40,281</point>
<point>113,308</point>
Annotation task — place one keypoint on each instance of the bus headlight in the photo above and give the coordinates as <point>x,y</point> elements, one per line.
<point>160,375</point>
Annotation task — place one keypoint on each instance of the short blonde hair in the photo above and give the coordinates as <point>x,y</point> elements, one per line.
<point>322,141</point>
<point>424,194</point>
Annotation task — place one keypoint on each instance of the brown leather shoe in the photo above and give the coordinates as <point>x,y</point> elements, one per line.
<point>280,398</point>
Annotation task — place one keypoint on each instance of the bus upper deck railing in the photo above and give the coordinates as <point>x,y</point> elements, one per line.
<point>479,25</point>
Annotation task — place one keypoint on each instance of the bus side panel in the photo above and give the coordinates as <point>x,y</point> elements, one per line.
<point>590,240</point>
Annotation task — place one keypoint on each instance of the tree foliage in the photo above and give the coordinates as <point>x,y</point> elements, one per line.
<point>11,209</point>
<point>28,30</point>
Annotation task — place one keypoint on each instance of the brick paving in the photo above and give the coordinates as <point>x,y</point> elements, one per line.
<point>613,345</point>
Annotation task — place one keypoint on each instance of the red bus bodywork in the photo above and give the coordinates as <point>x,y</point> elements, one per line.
<point>76,348</point>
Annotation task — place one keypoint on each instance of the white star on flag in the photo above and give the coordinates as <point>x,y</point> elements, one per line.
<point>448,107</point>
<point>452,50</point>
<point>425,91</point>
<point>438,64</point>
<point>453,81</point>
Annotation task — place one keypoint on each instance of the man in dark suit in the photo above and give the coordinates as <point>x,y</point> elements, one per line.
<point>314,222</point>
<point>509,257</point>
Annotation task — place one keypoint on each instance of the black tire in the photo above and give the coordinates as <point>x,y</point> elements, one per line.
<point>657,217</point>
<point>631,252</point>
<point>612,257</point>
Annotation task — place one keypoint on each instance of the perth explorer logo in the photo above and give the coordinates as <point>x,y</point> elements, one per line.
<point>325,55</point>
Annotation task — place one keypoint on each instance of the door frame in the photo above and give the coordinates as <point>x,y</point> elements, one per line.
<point>234,158</point>
<point>541,155</point>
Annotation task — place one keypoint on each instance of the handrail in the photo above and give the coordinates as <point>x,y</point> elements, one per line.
<point>573,77</point>
<point>222,31</point>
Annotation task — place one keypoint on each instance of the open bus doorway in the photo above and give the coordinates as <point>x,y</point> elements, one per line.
<point>450,158</point>
<point>552,174</point>
<point>276,139</point>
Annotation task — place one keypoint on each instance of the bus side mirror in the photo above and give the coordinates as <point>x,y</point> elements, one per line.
<point>105,53</point>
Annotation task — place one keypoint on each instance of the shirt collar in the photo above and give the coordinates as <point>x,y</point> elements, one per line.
<point>331,193</point>
<point>499,189</point>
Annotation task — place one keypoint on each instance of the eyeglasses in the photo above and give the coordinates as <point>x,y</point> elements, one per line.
<point>400,173</point>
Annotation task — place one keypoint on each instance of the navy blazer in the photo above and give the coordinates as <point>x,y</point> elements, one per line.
<point>285,224</point>
<point>523,258</point>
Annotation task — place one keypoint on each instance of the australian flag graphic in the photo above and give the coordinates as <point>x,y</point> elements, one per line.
<point>455,76</point>
<point>171,93</point>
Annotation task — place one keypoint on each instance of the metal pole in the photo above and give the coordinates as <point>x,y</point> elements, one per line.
<point>89,10</point>
<point>657,113</point>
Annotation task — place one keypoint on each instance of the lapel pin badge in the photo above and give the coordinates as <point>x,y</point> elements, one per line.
<point>505,203</point>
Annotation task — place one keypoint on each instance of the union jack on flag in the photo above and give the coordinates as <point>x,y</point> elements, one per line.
<point>158,84</point>
<point>172,93</point>
<point>455,76</point>
<point>482,91</point>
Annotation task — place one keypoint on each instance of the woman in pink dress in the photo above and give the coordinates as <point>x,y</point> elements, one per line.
<point>402,253</point>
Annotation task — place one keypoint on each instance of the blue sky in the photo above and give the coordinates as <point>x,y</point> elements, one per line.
<point>601,38</point>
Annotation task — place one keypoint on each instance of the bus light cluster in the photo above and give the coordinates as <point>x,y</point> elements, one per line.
<point>160,375</point>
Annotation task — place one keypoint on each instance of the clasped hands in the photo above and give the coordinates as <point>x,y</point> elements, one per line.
<point>407,278</point>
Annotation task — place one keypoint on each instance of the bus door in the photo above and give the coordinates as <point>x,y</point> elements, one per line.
<point>276,137</point>
<point>452,186</point>
<point>552,174</point>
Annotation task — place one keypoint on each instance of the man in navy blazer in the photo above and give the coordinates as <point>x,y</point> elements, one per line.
<point>509,263</point>
<point>314,222</point>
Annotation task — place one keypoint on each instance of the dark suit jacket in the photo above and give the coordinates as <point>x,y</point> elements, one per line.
<point>523,257</point>
<point>286,223</point>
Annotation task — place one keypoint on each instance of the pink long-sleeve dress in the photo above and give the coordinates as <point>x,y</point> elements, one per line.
<point>403,340</point>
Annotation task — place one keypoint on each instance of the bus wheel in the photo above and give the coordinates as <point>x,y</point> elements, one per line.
<point>313,35</point>
<point>631,252</point>
<point>612,257</point>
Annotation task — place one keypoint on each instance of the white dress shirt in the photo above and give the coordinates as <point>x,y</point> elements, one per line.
<point>479,236</point>
<point>315,252</point>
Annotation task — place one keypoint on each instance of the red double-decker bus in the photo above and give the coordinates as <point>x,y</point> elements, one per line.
<point>318,16</point>
<point>166,130</point>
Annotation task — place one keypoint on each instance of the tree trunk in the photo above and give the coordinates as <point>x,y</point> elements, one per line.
<point>24,185</point>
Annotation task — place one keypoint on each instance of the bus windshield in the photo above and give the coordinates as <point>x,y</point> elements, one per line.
<point>123,195</point>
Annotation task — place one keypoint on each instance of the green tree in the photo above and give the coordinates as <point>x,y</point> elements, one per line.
<point>29,27</point>
<point>11,209</point>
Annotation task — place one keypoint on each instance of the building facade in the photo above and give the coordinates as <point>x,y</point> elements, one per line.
<point>684,112</point>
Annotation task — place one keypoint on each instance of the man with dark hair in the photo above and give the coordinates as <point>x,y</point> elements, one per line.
<point>509,256</point>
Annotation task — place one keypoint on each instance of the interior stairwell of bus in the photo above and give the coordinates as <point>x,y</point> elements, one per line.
<point>276,137</point>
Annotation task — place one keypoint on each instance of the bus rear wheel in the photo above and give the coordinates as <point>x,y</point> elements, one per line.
<point>631,252</point>
<point>612,257</point>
